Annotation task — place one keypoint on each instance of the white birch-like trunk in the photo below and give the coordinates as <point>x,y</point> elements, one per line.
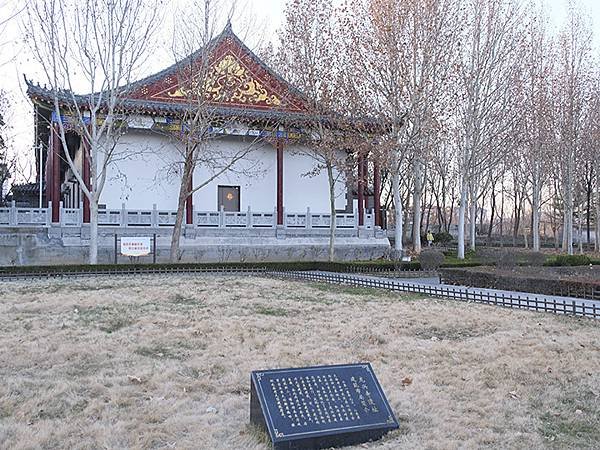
<point>461,221</point>
<point>398,231</point>
<point>564,229</point>
<point>580,231</point>
<point>331,211</point>
<point>535,231</point>
<point>417,194</point>
<point>569,216</point>
<point>473,224</point>
<point>597,240</point>
<point>93,257</point>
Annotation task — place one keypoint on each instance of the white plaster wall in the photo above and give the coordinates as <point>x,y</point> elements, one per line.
<point>257,178</point>
<point>144,175</point>
<point>255,175</point>
<point>301,191</point>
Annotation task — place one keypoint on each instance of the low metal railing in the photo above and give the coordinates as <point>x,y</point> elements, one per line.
<point>521,301</point>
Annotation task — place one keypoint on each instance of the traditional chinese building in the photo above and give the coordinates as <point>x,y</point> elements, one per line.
<point>274,186</point>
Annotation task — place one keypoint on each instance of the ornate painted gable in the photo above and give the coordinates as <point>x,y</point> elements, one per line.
<point>234,77</point>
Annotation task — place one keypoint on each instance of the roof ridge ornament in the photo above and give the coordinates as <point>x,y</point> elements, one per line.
<point>228,28</point>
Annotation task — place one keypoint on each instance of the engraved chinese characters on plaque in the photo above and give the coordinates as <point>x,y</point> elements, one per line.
<point>320,407</point>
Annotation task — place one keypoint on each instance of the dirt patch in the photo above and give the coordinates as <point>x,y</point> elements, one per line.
<point>164,362</point>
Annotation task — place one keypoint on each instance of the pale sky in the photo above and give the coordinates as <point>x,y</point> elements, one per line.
<point>265,16</point>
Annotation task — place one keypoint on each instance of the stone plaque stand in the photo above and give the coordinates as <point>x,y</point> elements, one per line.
<point>320,407</point>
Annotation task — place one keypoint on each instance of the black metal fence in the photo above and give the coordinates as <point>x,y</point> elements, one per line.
<point>117,271</point>
<point>581,308</point>
<point>524,301</point>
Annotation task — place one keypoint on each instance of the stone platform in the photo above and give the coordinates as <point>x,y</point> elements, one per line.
<point>48,246</point>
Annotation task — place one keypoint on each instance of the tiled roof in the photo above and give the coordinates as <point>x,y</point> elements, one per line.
<point>28,188</point>
<point>44,95</point>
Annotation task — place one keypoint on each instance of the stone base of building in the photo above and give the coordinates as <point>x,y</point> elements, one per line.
<point>47,247</point>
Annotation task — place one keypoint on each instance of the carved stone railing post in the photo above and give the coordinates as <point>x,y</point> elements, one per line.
<point>123,221</point>
<point>154,217</point>
<point>49,213</point>
<point>308,218</point>
<point>249,218</point>
<point>12,216</point>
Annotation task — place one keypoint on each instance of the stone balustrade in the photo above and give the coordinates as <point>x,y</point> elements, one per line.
<point>14,216</point>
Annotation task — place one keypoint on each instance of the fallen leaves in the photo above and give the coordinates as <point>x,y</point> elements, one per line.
<point>134,379</point>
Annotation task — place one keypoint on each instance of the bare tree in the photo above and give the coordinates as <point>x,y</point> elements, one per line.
<point>5,164</point>
<point>538,118</point>
<point>197,76</point>
<point>310,56</point>
<point>8,14</point>
<point>98,45</point>
<point>485,78</point>
<point>571,86</point>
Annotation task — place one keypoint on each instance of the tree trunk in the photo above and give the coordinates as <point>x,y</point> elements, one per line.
<point>461,221</point>
<point>427,224</point>
<point>597,240</point>
<point>93,257</point>
<point>398,231</point>
<point>184,191</point>
<point>580,231</point>
<point>417,194</point>
<point>535,228</point>
<point>588,213</point>
<point>331,211</point>
<point>492,213</point>
<point>568,222</point>
<point>564,229</point>
<point>473,224</point>
<point>481,210</point>
<point>405,214</point>
<point>569,225</point>
<point>450,215</point>
<point>517,219</point>
<point>502,217</point>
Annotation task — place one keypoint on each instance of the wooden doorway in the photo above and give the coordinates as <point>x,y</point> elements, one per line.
<point>228,197</point>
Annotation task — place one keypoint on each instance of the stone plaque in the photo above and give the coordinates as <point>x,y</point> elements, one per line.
<point>320,407</point>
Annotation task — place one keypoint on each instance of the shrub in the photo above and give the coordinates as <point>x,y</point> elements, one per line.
<point>570,260</point>
<point>431,259</point>
<point>442,238</point>
<point>489,256</point>
<point>533,259</point>
<point>507,260</point>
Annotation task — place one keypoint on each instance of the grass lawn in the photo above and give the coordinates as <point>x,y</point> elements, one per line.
<point>165,361</point>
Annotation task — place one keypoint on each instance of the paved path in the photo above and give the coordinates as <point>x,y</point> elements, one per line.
<point>538,302</point>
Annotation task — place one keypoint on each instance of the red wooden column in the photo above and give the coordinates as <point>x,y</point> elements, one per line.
<point>86,178</point>
<point>361,190</point>
<point>279,181</point>
<point>189,213</point>
<point>56,150</point>
<point>377,193</point>
<point>48,168</point>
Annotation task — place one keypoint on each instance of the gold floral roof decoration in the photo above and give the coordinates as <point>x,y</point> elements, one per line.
<point>229,81</point>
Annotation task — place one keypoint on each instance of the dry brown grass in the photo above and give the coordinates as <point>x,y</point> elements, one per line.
<point>136,363</point>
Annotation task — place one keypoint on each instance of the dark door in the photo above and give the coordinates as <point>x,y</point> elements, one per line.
<point>229,197</point>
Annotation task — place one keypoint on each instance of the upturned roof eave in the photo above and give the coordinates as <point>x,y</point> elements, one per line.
<point>177,110</point>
